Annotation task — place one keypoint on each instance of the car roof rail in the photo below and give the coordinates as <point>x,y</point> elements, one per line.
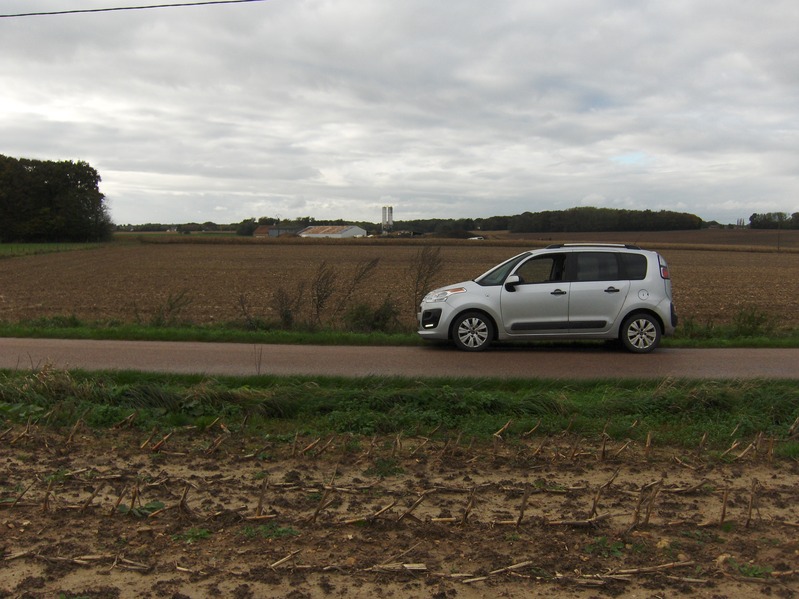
<point>628,246</point>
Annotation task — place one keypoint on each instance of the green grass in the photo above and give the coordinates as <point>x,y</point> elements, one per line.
<point>70,327</point>
<point>674,412</point>
<point>740,334</point>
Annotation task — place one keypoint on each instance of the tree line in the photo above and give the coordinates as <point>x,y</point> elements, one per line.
<point>46,201</point>
<point>774,220</point>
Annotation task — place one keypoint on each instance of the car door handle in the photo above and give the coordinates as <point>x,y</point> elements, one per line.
<point>612,290</point>
<point>558,292</point>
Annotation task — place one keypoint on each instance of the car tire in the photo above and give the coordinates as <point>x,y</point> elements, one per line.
<point>472,331</point>
<point>640,333</point>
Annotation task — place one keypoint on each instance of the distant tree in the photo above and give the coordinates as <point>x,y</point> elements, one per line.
<point>771,220</point>
<point>48,201</point>
<point>247,227</point>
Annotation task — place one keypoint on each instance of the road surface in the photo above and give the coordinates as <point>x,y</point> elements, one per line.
<point>587,362</point>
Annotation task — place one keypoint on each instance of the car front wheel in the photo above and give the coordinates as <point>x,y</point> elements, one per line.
<point>472,331</point>
<point>640,333</point>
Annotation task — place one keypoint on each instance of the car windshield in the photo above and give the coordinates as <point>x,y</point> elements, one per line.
<point>498,274</point>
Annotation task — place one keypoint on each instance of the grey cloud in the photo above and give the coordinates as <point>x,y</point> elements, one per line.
<point>466,109</point>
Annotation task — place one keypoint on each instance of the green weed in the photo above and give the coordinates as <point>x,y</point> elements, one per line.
<point>384,468</point>
<point>192,535</point>
<point>602,547</point>
<point>142,511</point>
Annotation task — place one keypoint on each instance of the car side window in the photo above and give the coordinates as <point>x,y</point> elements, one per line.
<point>542,269</point>
<point>634,266</point>
<point>596,266</point>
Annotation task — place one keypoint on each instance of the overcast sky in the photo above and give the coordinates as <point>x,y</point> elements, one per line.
<point>442,109</point>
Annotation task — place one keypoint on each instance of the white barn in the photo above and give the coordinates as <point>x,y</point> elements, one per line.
<point>338,232</point>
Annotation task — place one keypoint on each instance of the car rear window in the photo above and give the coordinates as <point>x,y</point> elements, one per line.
<point>634,266</point>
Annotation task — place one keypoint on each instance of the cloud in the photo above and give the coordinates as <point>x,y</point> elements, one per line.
<point>323,108</point>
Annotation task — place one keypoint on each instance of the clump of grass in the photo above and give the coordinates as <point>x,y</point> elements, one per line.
<point>270,530</point>
<point>384,468</point>
<point>192,535</point>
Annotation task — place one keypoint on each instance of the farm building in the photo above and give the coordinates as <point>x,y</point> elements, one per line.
<point>339,232</point>
<point>274,231</point>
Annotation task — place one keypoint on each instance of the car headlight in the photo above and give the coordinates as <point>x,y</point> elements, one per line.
<point>443,295</point>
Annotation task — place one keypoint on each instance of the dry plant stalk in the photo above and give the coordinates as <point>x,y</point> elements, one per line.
<point>46,501</point>
<point>397,447</point>
<point>752,502</point>
<point>157,447</point>
<point>724,497</point>
<point>75,428</point>
<point>260,509</point>
<point>599,491</point>
<point>532,430</point>
<point>503,429</point>
<point>579,523</point>
<point>418,447</point>
<point>311,446</point>
<point>24,433</point>
<point>88,502</point>
<point>125,422</point>
<point>325,447</point>
<point>284,560</point>
<point>622,448</point>
<point>415,505</point>
<point>469,506</point>
<point>528,489</point>
<point>652,496</point>
<point>215,445</point>
<point>605,438</point>
<point>150,438</point>
<point>734,446</point>
<point>323,502</point>
<point>648,447</point>
<point>21,495</point>
<point>184,505</point>
<point>118,501</point>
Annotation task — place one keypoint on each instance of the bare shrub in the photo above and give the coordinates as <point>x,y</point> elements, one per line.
<point>323,286</point>
<point>168,313</point>
<point>363,270</point>
<point>287,305</point>
<point>422,271</point>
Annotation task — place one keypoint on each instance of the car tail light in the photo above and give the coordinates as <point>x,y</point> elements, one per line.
<point>664,271</point>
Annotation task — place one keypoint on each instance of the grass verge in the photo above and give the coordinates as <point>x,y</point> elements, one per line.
<point>667,412</point>
<point>745,331</point>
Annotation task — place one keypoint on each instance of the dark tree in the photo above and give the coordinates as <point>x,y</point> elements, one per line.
<point>45,201</point>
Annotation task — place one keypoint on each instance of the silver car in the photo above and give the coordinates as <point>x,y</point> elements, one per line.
<point>569,291</point>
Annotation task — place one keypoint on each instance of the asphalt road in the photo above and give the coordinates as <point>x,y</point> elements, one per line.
<point>587,362</point>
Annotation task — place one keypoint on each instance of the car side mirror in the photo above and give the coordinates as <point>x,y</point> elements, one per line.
<point>511,282</point>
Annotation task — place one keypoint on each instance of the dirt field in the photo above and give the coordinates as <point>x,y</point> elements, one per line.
<point>218,283</point>
<point>208,514</point>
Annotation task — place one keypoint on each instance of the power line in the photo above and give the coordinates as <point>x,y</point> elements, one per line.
<point>119,8</point>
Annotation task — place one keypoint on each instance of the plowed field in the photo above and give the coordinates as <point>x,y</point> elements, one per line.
<point>220,283</point>
<point>114,514</point>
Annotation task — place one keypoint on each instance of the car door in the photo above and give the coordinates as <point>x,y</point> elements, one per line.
<point>597,292</point>
<point>538,302</point>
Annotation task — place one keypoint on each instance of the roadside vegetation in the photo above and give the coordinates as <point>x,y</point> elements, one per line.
<point>709,415</point>
<point>362,325</point>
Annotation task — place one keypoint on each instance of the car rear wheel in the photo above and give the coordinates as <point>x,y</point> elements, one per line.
<point>640,333</point>
<point>472,331</point>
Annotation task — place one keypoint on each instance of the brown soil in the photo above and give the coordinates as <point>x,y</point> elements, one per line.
<point>407,517</point>
<point>207,283</point>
